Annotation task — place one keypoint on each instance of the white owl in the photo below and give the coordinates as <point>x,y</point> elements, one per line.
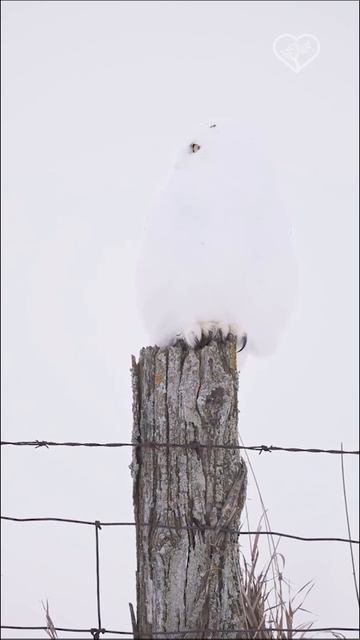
<point>217,255</point>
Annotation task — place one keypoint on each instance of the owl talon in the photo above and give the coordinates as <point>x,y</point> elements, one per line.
<point>200,334</point>
<point>244,341</point>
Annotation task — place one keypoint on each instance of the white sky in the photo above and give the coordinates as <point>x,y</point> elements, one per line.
<point>95,95</point>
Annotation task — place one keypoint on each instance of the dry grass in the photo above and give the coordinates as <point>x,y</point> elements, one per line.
<point>262,598</point>
<point>266,598</point>
<point>51,631</point>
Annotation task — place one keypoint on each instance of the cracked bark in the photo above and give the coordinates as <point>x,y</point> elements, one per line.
<point>187,579</point>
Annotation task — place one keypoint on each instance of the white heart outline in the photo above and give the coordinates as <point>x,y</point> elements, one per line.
<point>296,39</point>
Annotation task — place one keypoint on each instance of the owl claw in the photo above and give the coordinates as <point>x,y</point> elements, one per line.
<point>244,341</point>
<point>200,334</point>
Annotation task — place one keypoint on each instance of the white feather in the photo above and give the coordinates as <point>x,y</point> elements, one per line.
<point>218,246</point>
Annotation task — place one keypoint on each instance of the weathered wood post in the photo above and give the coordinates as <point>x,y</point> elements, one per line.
<point>188,572</point>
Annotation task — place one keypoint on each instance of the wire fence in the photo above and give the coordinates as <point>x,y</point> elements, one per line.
<point>97,524</point>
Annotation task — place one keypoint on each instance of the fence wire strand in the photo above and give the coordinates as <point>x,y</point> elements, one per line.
<point>94,631</point>
<point>201,528</point>
<point>260,448</point>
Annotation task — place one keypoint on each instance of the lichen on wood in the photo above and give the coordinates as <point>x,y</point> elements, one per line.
<point>188,571</point>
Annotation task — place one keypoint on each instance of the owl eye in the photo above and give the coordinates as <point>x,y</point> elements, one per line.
<point>194,147</point>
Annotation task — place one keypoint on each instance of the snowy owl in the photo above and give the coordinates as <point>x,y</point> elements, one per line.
<point>217,254</point>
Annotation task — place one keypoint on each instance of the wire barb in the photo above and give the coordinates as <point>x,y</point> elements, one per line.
<point>96,632</point>
<point>264,447</point>
<point>41,443</point>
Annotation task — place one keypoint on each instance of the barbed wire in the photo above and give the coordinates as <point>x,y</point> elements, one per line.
<point>201,528</point>
<point>95,632</point>
<point>260,448</point>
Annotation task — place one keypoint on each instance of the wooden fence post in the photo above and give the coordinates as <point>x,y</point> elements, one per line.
<point>188,570</point>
